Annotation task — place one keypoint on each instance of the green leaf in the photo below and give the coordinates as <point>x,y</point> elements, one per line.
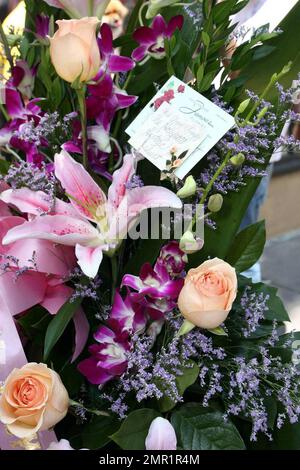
<point>58,325</point>
<point>199,428</point>
<point>247,247</point>
<point>223,10</point>
<point>96,434</point>
<point>134,430</point>
<point>188,378</point>
<point>205,38</point>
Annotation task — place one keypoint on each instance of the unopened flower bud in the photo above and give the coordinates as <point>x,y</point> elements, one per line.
<point>215,203</point>
<point>243,106</point>
<point>237,160</point>
<point>262,113</point>
<point>189,188</point>
<point>189,244</point>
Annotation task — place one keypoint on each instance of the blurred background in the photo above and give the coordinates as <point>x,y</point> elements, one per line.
<point>278,198</point>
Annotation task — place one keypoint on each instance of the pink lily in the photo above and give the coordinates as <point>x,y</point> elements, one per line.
<point>99,223</point>
<point>25,283</point>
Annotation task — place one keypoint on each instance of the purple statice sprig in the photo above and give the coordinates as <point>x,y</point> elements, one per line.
<point>254,307</point>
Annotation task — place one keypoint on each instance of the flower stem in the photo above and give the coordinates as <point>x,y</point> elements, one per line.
<point>114,271</point>
<point>94,412</point>
<point>209,187</point>
<point>141,13</point>
<point>83,116</point>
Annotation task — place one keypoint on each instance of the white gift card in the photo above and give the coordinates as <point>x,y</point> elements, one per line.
<point>186,106</point>
<point>165,133</point>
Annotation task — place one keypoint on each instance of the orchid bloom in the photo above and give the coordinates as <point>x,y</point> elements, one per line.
<point>109,357</point>
<point>155,289</point>
<point>151,39</point>
<point>99,223</point>
<point>81,8</point>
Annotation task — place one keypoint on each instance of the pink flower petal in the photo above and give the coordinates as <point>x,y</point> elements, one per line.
<point>89,259</point>
<point>57,228</point>
<point>36,202</point>
<point>117,189</point>
<point>84,194</point>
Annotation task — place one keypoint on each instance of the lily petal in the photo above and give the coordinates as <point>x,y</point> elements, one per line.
<point>89,259</point>
<point>36,202</point>
<point>84,194</point>
<point>117,189</point>
<point>57,228</point>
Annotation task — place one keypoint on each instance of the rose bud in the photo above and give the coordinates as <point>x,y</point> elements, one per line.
<point>74,50</point>
<point>208,294</point>
<point>161,436</point>
<point>33,399</point>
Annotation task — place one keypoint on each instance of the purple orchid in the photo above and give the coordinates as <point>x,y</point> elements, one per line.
<point>126,317</point>
<point>22,117</point>
<point>172,258</point>
<point>155,289</point>
<point>105,98</point>
<point>108,357</point>
<point>151,39</point>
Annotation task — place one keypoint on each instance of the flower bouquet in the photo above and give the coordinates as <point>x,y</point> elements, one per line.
<point>140,332</point>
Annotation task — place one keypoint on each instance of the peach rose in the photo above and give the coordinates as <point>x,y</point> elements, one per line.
<point>208,294</point>
<point>33,399</point>
<point>74,50</point>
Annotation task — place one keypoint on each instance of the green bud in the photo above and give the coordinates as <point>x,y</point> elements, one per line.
<point>215,203</point>
<point>243,106</point>
<point>262,113</point>
<point>188,244</point>
<point>189,188</point>
<point>237,160</point>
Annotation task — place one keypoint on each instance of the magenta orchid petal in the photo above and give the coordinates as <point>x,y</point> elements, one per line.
<point>175,23</point>
<point>89,259</point>
<point>125,317</point>
<point>91,369</point>
<point>159,25</point>
<point>120,64</point>
<point>139,53</point>
<point>84,194</point>
<point>132,281</point>
<point>124,100</point>
<point>106,41</point>
<point>145,35</point>
<point>57,228</point>
<point>14,105</point>
<point>108,357</point>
